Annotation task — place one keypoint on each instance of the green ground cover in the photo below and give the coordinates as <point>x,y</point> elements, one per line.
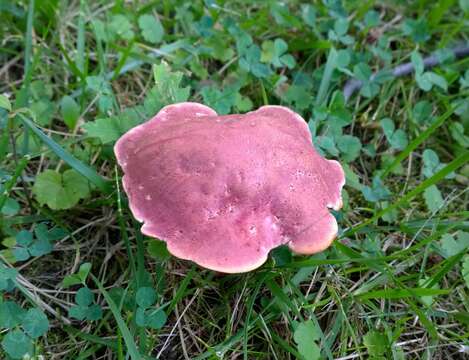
<point>79,281</point>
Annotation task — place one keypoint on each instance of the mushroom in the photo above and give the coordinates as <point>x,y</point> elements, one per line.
<point>223,191</point>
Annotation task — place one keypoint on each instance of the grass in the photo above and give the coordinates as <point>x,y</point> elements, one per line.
<point>78,74</point>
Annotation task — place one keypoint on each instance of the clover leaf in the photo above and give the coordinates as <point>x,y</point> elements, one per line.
<point>85,309</point>
<point>145,316</point>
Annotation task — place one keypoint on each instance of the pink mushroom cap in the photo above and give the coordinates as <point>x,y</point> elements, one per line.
<point>223,191</point>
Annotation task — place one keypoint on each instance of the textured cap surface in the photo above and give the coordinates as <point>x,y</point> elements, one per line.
<point>223,191</point>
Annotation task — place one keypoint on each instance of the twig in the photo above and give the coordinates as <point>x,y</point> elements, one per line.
<point>354,85</point>
<point>31,292</point>
<point>181,335</point>
<point>158,356</point>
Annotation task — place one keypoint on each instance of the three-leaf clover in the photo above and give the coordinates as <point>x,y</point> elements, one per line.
<point>432,164</point>
<point>250,61</point>
<point>461,108</point>
<point>249,53</point>
<point>79,277</point>
<point>220,100</point>
<point>23,240</point>
<point>85,309</point>
<point>11,207</point>
<point>158,250</point>
<point>417,30</point>
<point>11,314</point>
<point>111,128</point>
<point>422,112</point>
<point>327,143</point>
<point>426,79</point>
<point>363,73</point>
<point>35,323</point>
<point>40,244</point>
<point>18,342</point>
<point>275,53</point>
<point>377,191</point>
<point>299,95</point>
<point>396,138</point>
<point>349,146</point>
<point>146,316</point>
<point>339,33</point>
<point>335,116</point>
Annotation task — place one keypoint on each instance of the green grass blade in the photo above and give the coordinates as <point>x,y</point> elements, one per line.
<point>90,337</point>
<point>326,77</point>
<point>29,40</point>
<point>181,290</point>
<point>128,338</point>
<point>12,181</point>
<point>417,141</point>
<point>80,59</point>
<point>123,227</point>
<point>88,172</point>
<point>452,166</point>
<point>426,322</point>
<point>284,344</point>
<point>401,293</point>
<point>23,98</point>
<point>265,99</point>
<point>448,265</point>
<point>282,297</point>
<point>250,308</point>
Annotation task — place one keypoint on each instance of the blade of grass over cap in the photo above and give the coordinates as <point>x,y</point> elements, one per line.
<point>88,172</point>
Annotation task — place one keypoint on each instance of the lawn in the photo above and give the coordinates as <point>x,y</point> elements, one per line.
<point>384,87</point>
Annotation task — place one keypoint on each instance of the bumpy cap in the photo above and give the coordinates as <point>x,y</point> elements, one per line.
<point>223,191</point>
